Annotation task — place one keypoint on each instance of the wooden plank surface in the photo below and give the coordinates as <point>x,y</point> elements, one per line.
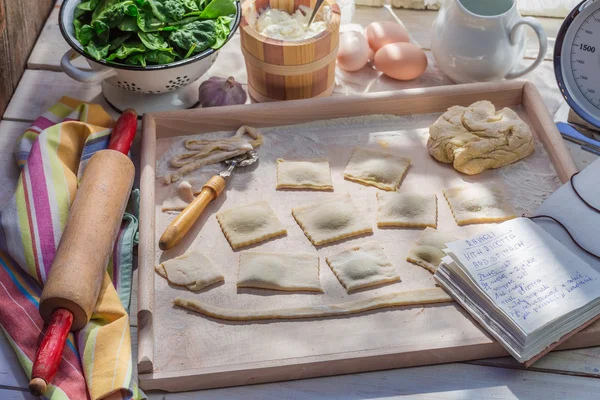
<point>439,382</point>
<point>20,24</point>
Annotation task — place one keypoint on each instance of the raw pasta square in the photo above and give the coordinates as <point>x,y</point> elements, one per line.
<point>376,168</point>
<point>363,266</point>
<point>279,271</point>
<point>412,210</point>
<point>427,252</point>
<point>249,224</point>
<point>478,203</point>
<point>331,220</point>
<point>193,270</point>
<point>314,175</point>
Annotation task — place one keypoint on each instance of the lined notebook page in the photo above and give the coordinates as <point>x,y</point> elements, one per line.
<point>528,274</point>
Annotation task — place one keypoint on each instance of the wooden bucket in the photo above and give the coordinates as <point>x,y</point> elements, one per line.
<point>289,70</point>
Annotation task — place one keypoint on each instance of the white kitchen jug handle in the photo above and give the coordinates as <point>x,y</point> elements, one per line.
<point>82,75</point>
<point>543,45</point>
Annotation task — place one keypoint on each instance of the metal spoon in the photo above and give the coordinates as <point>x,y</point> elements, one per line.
<point>210,191</point>
<point>314,13</point>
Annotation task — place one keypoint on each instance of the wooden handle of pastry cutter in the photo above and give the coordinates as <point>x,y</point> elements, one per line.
<point>74,281</point>
<point>184,221</point>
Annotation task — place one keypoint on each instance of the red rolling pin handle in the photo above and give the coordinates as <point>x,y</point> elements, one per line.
<point>48,356</point>
<point>124,132</point>
<point>50,351</point>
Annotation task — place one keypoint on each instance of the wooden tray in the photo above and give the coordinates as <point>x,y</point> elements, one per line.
<point>180,350</point>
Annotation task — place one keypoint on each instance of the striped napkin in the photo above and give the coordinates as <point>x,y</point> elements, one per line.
<point>52,153</point>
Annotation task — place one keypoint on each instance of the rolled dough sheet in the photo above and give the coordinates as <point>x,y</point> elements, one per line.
<point>411,210</point>
<point>331,220</point>
<point>184,196</point>
<point>193,270</point>
<point>407,298</point>
<point>478,203</point>
<point>427,252</point>
<point>279,271</point>
<point>314,175</point>
<point>376,168</point>
<point>249,224</point>
<point>363,266</point>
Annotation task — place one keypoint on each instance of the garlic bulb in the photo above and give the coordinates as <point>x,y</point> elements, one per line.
<point>217,91</point>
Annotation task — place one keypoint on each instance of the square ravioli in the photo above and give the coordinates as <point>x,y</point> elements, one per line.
<point>279,271</point>
<point>376,168</point>
<point>478,203</point>
<point>428,249</point>
<point>412,210</point>
<point>193,270</point>
<point>314,175</point>
<point>363,266</point>
<point>249,224</point>
<point>331,220</point>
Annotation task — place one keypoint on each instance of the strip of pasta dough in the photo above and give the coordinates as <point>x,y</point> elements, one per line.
<point>407,298</point>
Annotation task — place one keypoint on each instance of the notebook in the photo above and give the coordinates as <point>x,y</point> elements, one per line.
<point>526,282</point>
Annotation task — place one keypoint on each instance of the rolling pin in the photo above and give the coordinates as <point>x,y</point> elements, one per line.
<point>75,279</point>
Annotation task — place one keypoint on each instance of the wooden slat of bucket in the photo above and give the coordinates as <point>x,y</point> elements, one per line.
<point>271,64</point>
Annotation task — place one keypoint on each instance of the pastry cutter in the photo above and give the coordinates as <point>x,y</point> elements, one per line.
<point>210,191</point>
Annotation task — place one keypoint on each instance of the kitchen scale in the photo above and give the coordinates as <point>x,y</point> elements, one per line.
<point>577,63</point>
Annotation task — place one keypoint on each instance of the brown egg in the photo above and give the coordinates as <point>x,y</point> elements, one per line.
<point>353,53</point>
<point>381,33</point>
<point>371,54</point>
<point>402,61</point>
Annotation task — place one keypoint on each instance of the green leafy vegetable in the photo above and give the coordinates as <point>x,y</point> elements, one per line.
<point>136,59</point>
<point>160,56</point>
<point>129,24</point>
<point>102,32</point>
<point>83,32</point>
<point>118,41</point>
<point>200,34</point>
<point>97,52</point>
<point>222,30</point>
<point>142,32</point>
<point>153,41</point>
<point>167,10</point>
<point>126,49</point>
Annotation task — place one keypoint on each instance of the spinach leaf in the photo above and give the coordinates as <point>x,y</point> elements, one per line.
<point>218,8</point>
<point>222,30</point>
<point>118,41</point>
<point>153,41</point>
<point>98,53</point>
<point>126,49</point>
<point>83,33</point>
<point>102,32</point>
<point>160,57</point>
<point>113,14</point>
<point>136,59</point>
<point>89,5</point>
<point>191,5</point>
<point>147,22</point>
<point>167,10</point>
<point>201,34</point>
<point>129,24</point>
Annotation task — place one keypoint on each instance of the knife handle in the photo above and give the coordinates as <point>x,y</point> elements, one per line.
<point>184,221</point>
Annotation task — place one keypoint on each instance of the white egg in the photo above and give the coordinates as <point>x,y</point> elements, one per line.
<point>353,53</point>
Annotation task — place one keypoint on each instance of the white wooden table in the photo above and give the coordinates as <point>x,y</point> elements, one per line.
<point>570,374</point>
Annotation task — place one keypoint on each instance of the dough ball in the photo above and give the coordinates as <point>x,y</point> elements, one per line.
<point>402,61</point>
<point>381,33</point>
<point>353,53</point>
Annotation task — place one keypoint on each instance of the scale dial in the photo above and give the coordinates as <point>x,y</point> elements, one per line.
<point>577,60</point>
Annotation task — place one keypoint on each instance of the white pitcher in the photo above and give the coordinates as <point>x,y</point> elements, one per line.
<point>483,40</point>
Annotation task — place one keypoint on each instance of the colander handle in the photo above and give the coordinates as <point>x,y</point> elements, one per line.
<point>82,75</point>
